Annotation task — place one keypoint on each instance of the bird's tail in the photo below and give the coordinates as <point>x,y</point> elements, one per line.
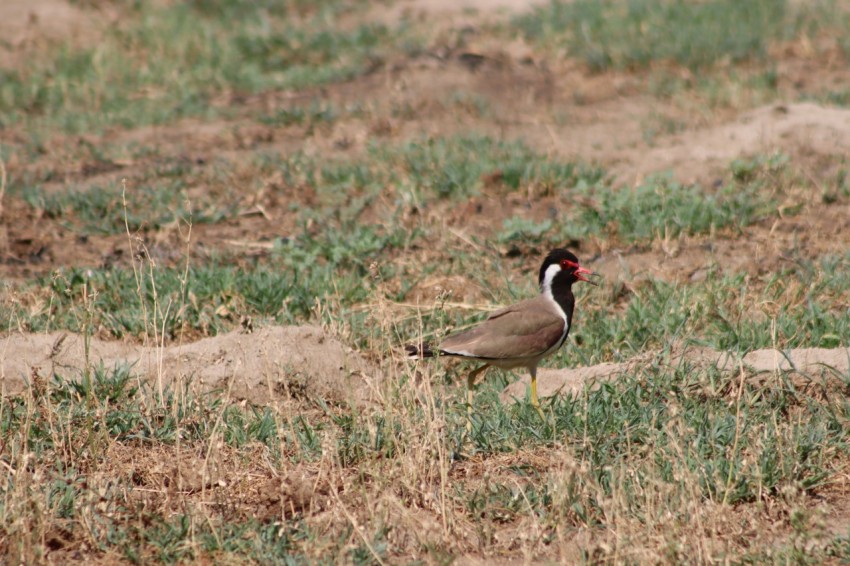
<point>419,351</point>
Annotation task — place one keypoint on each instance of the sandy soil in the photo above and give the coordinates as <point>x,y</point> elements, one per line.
<point>29,23</point>
<point>304,364</point>
<point>813,364</point>
<point>267,366</point>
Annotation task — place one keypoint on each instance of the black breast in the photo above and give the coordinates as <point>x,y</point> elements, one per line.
<point>562,292</point>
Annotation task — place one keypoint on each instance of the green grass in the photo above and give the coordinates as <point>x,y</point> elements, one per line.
<point>456,167</point>
<point>668,436</point>
<point>615,33</point>
<point>656,467</point>
<point>663,417</point>
<point>101,210</point>
<point>637,33</point>
<point>664,438</point>
<point>722,312</point>
<point>81,419</point>
<point>332,251</point>
<point>657,208</point>
<point>422,173</point>
<point>160,63</point>
<point>212,297</point>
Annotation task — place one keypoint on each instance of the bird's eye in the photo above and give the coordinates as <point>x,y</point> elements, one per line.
<point>566,264</point>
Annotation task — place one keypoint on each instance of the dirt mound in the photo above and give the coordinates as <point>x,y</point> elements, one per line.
<point>475,11</point>
<point>290,362</point>
<point>806,362</point>
<point>303,363</point>
<point>24,22</point>
<point>793,129</point>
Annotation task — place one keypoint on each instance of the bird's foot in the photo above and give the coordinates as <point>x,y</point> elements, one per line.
<point>539,411</point>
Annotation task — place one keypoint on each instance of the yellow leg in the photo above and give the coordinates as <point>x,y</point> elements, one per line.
<point>470,390</point>
<point>470,384</point>
<point>535,402</point>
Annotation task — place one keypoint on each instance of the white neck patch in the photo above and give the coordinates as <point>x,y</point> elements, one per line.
<point>548,278</point>
<point>546,290</point>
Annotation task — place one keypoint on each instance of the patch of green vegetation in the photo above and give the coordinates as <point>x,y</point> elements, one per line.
<point>267,543</point>
<point>211,298</point>
<point>333,253</point>
<point>160,63</point>
<point>424,171</point>
<point>658,208</point>
<point>681,434</point>
<point>524,230</point>
<point>666,432</point>
<point>101,210</point>
<point>453,167</point>
<point>625,34</point>
<point>433,168</point>
<point>721,312</point>
<point>668,436</point>
<point>316,113</point>
<point>460,166</point>
<point>636,33</point>
<point>80,418</point>
<point>107,404</point>
<point>735,87</point>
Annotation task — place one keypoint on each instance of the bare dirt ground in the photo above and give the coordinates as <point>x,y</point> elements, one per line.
<point>813,364</point>
<point>562,110</point>
<point>271,363</point>
<point>304,364</point>
<point>25,23</point>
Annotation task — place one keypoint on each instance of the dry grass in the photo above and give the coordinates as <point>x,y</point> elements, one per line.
<point>394,202</point>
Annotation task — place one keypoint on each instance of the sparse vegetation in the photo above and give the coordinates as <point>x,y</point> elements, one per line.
<point>161,63</point>
<point>615,33</point>
<point>296,178</point>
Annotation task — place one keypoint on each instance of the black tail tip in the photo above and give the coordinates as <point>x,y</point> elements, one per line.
<point>415,352</point>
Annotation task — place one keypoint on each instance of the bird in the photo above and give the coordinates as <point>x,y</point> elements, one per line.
<point>522,334</point>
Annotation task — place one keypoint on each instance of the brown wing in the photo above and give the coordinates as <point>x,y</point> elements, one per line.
<point>524,330</point>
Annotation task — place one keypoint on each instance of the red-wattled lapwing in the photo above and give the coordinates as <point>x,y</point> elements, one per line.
<point>520,335</point>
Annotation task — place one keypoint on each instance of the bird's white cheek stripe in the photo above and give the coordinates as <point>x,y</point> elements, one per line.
<point>549,278</point>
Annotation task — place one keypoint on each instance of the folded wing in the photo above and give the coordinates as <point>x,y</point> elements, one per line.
<point>525,330</point>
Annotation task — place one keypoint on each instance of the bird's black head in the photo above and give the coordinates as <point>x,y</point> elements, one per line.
<point>562,266</point>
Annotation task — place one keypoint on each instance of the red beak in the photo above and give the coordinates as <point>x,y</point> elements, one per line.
<point>581,271</point>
